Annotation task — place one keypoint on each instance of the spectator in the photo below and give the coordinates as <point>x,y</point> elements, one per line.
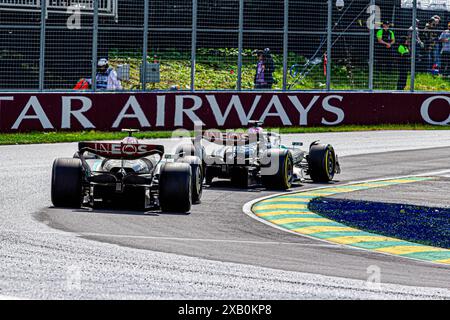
<point>106,78</point>
<point>264,70</point>
<point>437,18</point>
<point>410,34</point>
<point>403,62</point>
<point>420,47</point>
<point>431,42</point>
<point>437,49</point>
<point>385,39</point>
<point>445,40</point>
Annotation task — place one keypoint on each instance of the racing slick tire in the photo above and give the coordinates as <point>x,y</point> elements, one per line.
<point>175,192</point>
<point>196,177</point>
<point>67,187</point>
<point>321,163</point>
<point>283,178</point>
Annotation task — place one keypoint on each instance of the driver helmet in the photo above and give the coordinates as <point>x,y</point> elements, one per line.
<point>256,130</point>
<point>130,140</point>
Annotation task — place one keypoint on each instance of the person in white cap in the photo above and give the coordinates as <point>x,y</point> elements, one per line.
<point>106,78</point>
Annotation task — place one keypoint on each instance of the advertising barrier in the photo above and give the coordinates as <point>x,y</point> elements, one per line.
<point>22,112</point>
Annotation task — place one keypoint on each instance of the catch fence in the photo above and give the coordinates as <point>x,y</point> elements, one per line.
<point>290,45</point>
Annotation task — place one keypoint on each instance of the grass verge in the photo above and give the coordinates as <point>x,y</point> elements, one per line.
<point>60,137</point>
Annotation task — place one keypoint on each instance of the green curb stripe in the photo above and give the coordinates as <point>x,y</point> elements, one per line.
<point>420,178</point>
<point>305,197</point>
<point>280,202</point>
<point>429,256</point>
<point>383,244</point>
<point>293,195</point>
<point>352,187</point>
<point>299,225</point>
<point>335,234</point>
<point>289,216</point>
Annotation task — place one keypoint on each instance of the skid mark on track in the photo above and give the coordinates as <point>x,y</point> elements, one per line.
<point>161,238</point>
<point>290,212</point>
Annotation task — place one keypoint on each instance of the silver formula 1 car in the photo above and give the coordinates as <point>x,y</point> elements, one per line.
<point>126,173</point>
<point>258,157</point>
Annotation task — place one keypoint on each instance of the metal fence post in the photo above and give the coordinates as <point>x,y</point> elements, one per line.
<point>285,42</point>
<point>42,45</point>
<point>372,43</point>
<point>94,46</point>
<point>413,46</point>
<point>145,45</point>
<point>240,45</point>
<point>194,42</point>
<point>329,42</point>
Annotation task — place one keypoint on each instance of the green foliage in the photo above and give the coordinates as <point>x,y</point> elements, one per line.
<point>216,69</point>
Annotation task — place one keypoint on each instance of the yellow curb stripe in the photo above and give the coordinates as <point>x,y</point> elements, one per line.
<point>357,239</point>
<point>367,185</point>
<point>311,194</point>
<point>399,180</point>
<point>400,250</point>
<point>339,190</point>
<point>318,229</point>
<point>282,213</point>
<point>380,184</point>
<point>285,200</point>
<point>293,220</point>
<point>280,206</point>
<point>446,261</point>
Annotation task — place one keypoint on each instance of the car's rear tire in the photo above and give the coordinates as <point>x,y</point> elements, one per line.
<point>239,178</point>
<point>196,176</point>
<point>175,191</point>
<point>283,178</point>
<point>322,163</point>
<point>189,149</point>
<point>67,187</point>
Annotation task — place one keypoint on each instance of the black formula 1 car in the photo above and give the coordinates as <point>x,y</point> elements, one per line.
<point>257,157</point>
<point>126,173</point>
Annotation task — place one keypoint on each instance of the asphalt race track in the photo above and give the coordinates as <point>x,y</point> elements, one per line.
<point>216,251</point>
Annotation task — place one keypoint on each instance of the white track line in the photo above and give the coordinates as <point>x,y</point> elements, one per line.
<point>440,173</point>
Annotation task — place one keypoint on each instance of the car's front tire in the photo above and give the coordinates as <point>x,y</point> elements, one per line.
<point>67,187</point>
<point>322,163</point>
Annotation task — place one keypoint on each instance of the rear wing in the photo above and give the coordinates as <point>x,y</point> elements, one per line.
<point>229,138</point>
<point>120,150</point>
